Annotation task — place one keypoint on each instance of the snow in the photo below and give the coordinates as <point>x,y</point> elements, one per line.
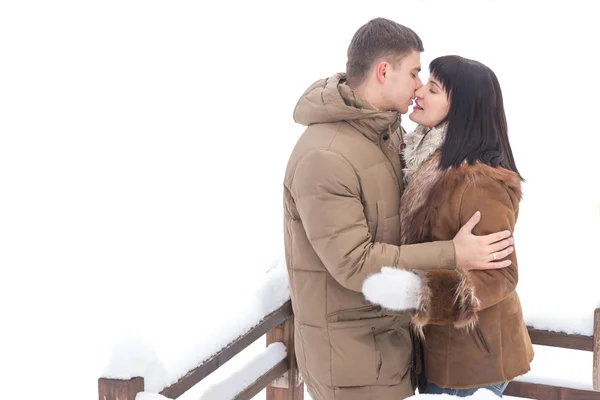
<point>133,355</point>
<point>237,380</point>
<point>150,396</point>
<point>252,371</point>
<point>162,362</point>
<point>143,146</point>
<point>561,367</point>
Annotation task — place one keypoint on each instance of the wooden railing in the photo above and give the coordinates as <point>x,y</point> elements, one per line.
<point>282,381</point>
<point>567,341</point>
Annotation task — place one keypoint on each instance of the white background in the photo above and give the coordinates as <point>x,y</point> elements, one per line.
<point>143,146</point>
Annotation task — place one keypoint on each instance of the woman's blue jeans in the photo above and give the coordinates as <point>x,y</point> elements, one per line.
<point>498,389</point>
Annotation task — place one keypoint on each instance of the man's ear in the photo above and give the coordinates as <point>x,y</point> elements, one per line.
<point>381,70</point>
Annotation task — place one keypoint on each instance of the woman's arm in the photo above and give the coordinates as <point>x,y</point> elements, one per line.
<point>456,296</point>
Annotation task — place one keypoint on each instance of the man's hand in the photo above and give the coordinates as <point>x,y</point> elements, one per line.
<point>481,252</point>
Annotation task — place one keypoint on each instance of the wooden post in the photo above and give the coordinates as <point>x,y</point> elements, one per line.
<point>116,389</point>
<point>526,390</point>
<point>596,372</point>
<point>289,386</point>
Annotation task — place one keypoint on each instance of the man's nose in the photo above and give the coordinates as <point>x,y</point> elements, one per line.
<point>419,92</point>
<point>419,83</point>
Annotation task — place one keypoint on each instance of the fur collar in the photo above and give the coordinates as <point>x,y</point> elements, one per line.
<point>430,186</point>
<point>420,144</point>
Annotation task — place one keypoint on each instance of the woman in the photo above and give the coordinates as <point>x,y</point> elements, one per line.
<point>459,161</point>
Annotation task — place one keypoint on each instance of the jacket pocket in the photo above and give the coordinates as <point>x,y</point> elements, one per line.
<point>378,350</point>
<point>355,314</point>
<point>395,356</point>
<point>480,340</point>
<point>354,358</point>
<point>369,352</point>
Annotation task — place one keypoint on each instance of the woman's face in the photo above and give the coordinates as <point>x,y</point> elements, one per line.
<point>431,104</point>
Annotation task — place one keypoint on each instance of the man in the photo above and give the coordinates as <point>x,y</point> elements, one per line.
<point>342,198</point>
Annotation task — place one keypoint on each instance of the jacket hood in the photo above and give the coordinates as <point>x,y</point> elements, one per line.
<point>332,100</point>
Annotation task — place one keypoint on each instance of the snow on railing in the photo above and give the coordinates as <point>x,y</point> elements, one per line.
<point>273,357</point>
<point>135,367</point>
<point>540,383</point>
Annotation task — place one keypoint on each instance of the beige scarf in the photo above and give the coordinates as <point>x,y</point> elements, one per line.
<point>420,145</point>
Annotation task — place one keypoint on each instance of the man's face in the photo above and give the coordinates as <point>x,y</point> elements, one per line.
<point>401,82</point>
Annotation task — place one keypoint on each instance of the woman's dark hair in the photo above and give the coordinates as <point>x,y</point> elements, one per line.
<point>477,128</point>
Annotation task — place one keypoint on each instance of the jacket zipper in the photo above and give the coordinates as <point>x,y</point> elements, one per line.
<point>381,144</point>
